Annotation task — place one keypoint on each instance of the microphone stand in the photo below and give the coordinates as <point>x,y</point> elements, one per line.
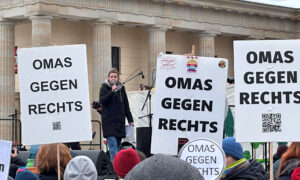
<point>144,134</point>
<point>150,114</point>
<point>140,73</point>
<point>149,97</point>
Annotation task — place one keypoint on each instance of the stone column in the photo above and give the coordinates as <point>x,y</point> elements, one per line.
<point>7,77</point>
<point>297,31</point>
<point>101,63</point>
<point>102,56</point>
<point>41,31</point>
<point>206,44</point>
<point>157,44</point>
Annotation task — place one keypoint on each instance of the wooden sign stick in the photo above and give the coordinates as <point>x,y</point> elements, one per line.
<point>58,163</point>
<point>271,161</point>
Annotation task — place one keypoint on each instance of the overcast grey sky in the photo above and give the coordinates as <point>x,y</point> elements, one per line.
<point>286,3</point>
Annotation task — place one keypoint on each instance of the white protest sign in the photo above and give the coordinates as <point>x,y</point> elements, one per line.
<point>189,101</point>
<point>206,155</point>
<point>267,91</point>
<point>54,94</point>
<point>5,151</point>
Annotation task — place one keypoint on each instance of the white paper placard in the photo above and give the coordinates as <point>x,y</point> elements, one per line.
<point>5,151</point>
<point>267,91</point>
<point>54,94</point>
<point>206,155</point>
<point>189,101</point>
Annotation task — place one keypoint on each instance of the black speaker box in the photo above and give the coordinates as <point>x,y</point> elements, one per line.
<point>143,140</point>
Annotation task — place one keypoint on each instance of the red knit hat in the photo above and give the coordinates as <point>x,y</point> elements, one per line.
<point>296,174</point>
<point>124,161</point>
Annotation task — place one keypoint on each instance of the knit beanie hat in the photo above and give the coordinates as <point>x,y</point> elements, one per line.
<point>232,148</point>
<point>124,161</point>
<point>80,168</point>
<point>164,167</point>
<point>34,149</point>
<point>296,174</point>
<point>26,175</point>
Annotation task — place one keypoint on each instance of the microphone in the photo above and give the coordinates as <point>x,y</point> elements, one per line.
<point>113,82</point>
<point>142,74</point>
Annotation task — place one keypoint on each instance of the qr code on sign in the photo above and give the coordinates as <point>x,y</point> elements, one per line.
<point>56,125</point>
<point>271,122</point>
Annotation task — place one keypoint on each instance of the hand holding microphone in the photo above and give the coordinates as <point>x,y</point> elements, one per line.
<point>114,85</point>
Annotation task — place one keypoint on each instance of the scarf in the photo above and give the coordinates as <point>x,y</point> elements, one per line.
<point>231,167</point>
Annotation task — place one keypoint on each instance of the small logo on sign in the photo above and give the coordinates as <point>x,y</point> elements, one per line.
<point>168,63</point>
<point>222,64</point>
<point>192,64</point>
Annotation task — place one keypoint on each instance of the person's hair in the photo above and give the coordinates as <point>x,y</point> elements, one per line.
<point>280,150</point>
<point>47,158</point>
<point>142,155</point>
<point>293,151</point>
<point>114,70</point>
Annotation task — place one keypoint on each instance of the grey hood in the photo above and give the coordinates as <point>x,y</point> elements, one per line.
<point>80,168</point>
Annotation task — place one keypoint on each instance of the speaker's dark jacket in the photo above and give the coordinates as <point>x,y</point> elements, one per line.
<point>115,108</point>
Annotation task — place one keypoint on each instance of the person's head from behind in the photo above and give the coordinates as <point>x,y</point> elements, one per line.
<point>34,149</point>
<point>161,167</point>
<point>232,149</point>
<point>26,175</point>
<point>293,151</point>
<point>280,150</point>
<point>124,161</point>
<point>47,158</point>
<point>80,168</point>
<point>141,155</point>
<point>296,174</point>
<point>113,76</point>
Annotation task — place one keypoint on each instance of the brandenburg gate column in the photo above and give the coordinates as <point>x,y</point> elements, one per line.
<point>206,44</point>
<point>101,57</point>
<point>157,44</point>
<point>7,77</point>
<point>41,31</point>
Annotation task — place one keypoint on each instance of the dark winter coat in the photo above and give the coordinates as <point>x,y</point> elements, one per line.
<point>115,108</point>
<point>251,171</point>
<point>16,162</point>
<point>288,168</point>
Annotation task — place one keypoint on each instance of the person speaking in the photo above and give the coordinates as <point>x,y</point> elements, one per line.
<point>115,108</point>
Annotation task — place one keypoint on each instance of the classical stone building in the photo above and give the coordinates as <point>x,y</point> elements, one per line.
<point>136,29</point>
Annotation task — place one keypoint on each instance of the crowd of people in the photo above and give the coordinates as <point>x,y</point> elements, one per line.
<point>128,164</point>
<point>132,164</point>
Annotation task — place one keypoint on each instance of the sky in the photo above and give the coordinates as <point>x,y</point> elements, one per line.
<point>285,3</point>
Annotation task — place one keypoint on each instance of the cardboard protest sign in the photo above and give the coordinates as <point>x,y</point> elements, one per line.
<point>267,93</point>
<point>206,155</point>
<point>189,101</point>
<point>54,94</point>
<point>5,151</point>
